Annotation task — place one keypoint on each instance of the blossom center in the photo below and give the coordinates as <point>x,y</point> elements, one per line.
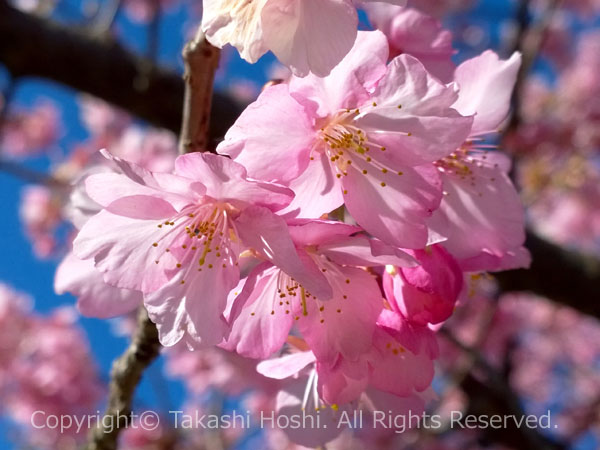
<point>345,144</point>
<point>200,237</point>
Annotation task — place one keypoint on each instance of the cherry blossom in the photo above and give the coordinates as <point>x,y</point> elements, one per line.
<point>184,235</point>
<point>53,375</point>
<point>314,388</point>
<point>481,215</point>
<point>309,36</point>
<point>32,130</point>
<point>272,300</point>
<point>56,375</point>
<point>365,136</point>
<point>410,31</point>
<point>428,292</point>
<point>40,213</point>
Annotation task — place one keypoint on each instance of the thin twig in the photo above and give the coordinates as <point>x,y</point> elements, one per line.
<point>106,16</point>
<point>147,65</point>
<point>529,40</point>
<point>154,31</point>
<point>201,60</point>
<point>125,375</point>
<point>7,96</point>
<point>28,175</point>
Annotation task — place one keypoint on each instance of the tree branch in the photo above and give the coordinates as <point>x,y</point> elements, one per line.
<point>98,65</point>
<point>30,176</point>
<point>125,376</point>
<point>562,275</point>
<point>201,60</point>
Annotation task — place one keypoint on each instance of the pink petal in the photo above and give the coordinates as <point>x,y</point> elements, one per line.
<point>275,121</point>
<point>105,188</point>
<point>194,308</point>
<point>418,339</point>
<point>343,325</point>
<point>260,325</point>
<point>317,191</point>
<point>350,81</point>
<point>410,406</point>
<point>398,370</point>
<point>95,298</point>
<point>409,100</point>
<point>415,33</point>
<point>343,383</point>
<point>395,213</point>
<point>482,212</point>
<point>428,292</point>
<point>309,35</point>
<point>486,85</point>
<point>285,366</point>
<point>226,180</point>
<point>268,234</point>
<point>306,232</point>
<point>362,251</point>
<point>141,207</point>
<point>512,259</point>
<point>320,425</point>
<point>120,244</point>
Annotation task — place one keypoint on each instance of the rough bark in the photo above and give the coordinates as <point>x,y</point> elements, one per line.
<point>125,375</point>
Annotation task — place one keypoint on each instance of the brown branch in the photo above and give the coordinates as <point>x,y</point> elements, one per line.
<point>125,375</point>
<point>96,64</point>
<point>201,60</point>
<point>565,276</point>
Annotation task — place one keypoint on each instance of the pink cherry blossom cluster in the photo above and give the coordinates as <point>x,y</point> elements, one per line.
<point>144,11</point>
<point>534,341</point>
<point>557,142</point>
<point>439,8</point>
<point>332,233</point>
<point>30,131</point>
<point>41,377</point>
<point>584,8</point>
